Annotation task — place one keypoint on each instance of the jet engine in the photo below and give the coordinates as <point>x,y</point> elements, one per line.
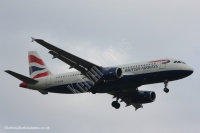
<point>144,97</point>
<point>111,73</point>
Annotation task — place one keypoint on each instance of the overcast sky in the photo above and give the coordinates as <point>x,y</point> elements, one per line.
<point>155,29</point>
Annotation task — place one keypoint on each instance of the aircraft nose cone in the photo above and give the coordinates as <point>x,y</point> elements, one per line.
<point>191,70</point>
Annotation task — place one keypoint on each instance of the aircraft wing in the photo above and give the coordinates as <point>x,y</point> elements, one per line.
<point>70,59</point>
<point>69,62</point>
<point>125,96</point>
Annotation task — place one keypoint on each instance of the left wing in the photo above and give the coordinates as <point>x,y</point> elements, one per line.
<point>125,96</point>
<point>72,60</point>
<point>69,62</point>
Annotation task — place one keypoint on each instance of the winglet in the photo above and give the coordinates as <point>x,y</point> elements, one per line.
<point>33,39</point>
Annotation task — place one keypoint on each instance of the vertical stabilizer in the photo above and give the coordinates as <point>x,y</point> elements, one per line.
<point>37,67</point>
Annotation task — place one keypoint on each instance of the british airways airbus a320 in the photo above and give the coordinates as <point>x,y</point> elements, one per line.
<point>120,81</point>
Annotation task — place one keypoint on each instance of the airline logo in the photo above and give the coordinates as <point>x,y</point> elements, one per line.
<point>37,68</point>
<point>162,61</point>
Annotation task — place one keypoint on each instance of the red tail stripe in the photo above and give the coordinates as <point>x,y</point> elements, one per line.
<point>32,58</point>
<point>41,75</point>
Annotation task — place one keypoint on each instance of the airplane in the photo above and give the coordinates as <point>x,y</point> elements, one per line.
<point>121,81</point>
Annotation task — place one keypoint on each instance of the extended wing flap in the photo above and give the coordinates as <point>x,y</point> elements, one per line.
<point>21,77</point>
<point>137,106</point>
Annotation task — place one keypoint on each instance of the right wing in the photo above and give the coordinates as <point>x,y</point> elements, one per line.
<point>125,96</point>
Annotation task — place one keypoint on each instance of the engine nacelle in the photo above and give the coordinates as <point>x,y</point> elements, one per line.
<point>144,97</point>
<point>111,73</point>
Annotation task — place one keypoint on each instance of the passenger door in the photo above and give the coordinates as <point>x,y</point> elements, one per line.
<point>48,81</point>
<point>163,64</point>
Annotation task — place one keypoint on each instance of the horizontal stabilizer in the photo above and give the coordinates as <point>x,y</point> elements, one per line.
<point>22,77</point>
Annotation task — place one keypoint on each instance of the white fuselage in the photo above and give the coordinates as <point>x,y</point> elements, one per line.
<point>135,74</point>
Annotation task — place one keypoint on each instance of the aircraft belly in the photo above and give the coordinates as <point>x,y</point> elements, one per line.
<point>127,82</point>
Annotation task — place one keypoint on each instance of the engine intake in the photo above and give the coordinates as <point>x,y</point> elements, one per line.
<point>144,97</point>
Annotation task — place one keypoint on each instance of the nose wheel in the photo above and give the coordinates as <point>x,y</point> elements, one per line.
<point>166,84</point>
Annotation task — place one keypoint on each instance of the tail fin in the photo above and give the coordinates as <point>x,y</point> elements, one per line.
<point>37,67</point>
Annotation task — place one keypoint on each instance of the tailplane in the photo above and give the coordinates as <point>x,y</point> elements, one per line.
<point>26,80</point>
<point>22,77</point>
<point>37,66</point>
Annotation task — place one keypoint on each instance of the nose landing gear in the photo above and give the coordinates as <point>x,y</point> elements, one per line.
<point>166,89</point>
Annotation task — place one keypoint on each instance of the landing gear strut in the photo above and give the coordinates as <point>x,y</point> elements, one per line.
<point>166,89</point>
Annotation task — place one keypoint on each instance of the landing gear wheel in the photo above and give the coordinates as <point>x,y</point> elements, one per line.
<point>94,91</point>
<point>166,90</point>
<point>115,104</point>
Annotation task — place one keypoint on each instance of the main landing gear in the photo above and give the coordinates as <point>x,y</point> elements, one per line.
<point>116,104</point>
<point>166,89</point>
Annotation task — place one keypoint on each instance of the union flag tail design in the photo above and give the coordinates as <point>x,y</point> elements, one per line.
<point>37,67</point>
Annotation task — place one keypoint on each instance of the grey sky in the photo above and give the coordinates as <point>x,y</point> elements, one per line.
<point>155,29</point>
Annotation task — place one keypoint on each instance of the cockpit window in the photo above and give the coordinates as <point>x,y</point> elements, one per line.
<point>179,62</point>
